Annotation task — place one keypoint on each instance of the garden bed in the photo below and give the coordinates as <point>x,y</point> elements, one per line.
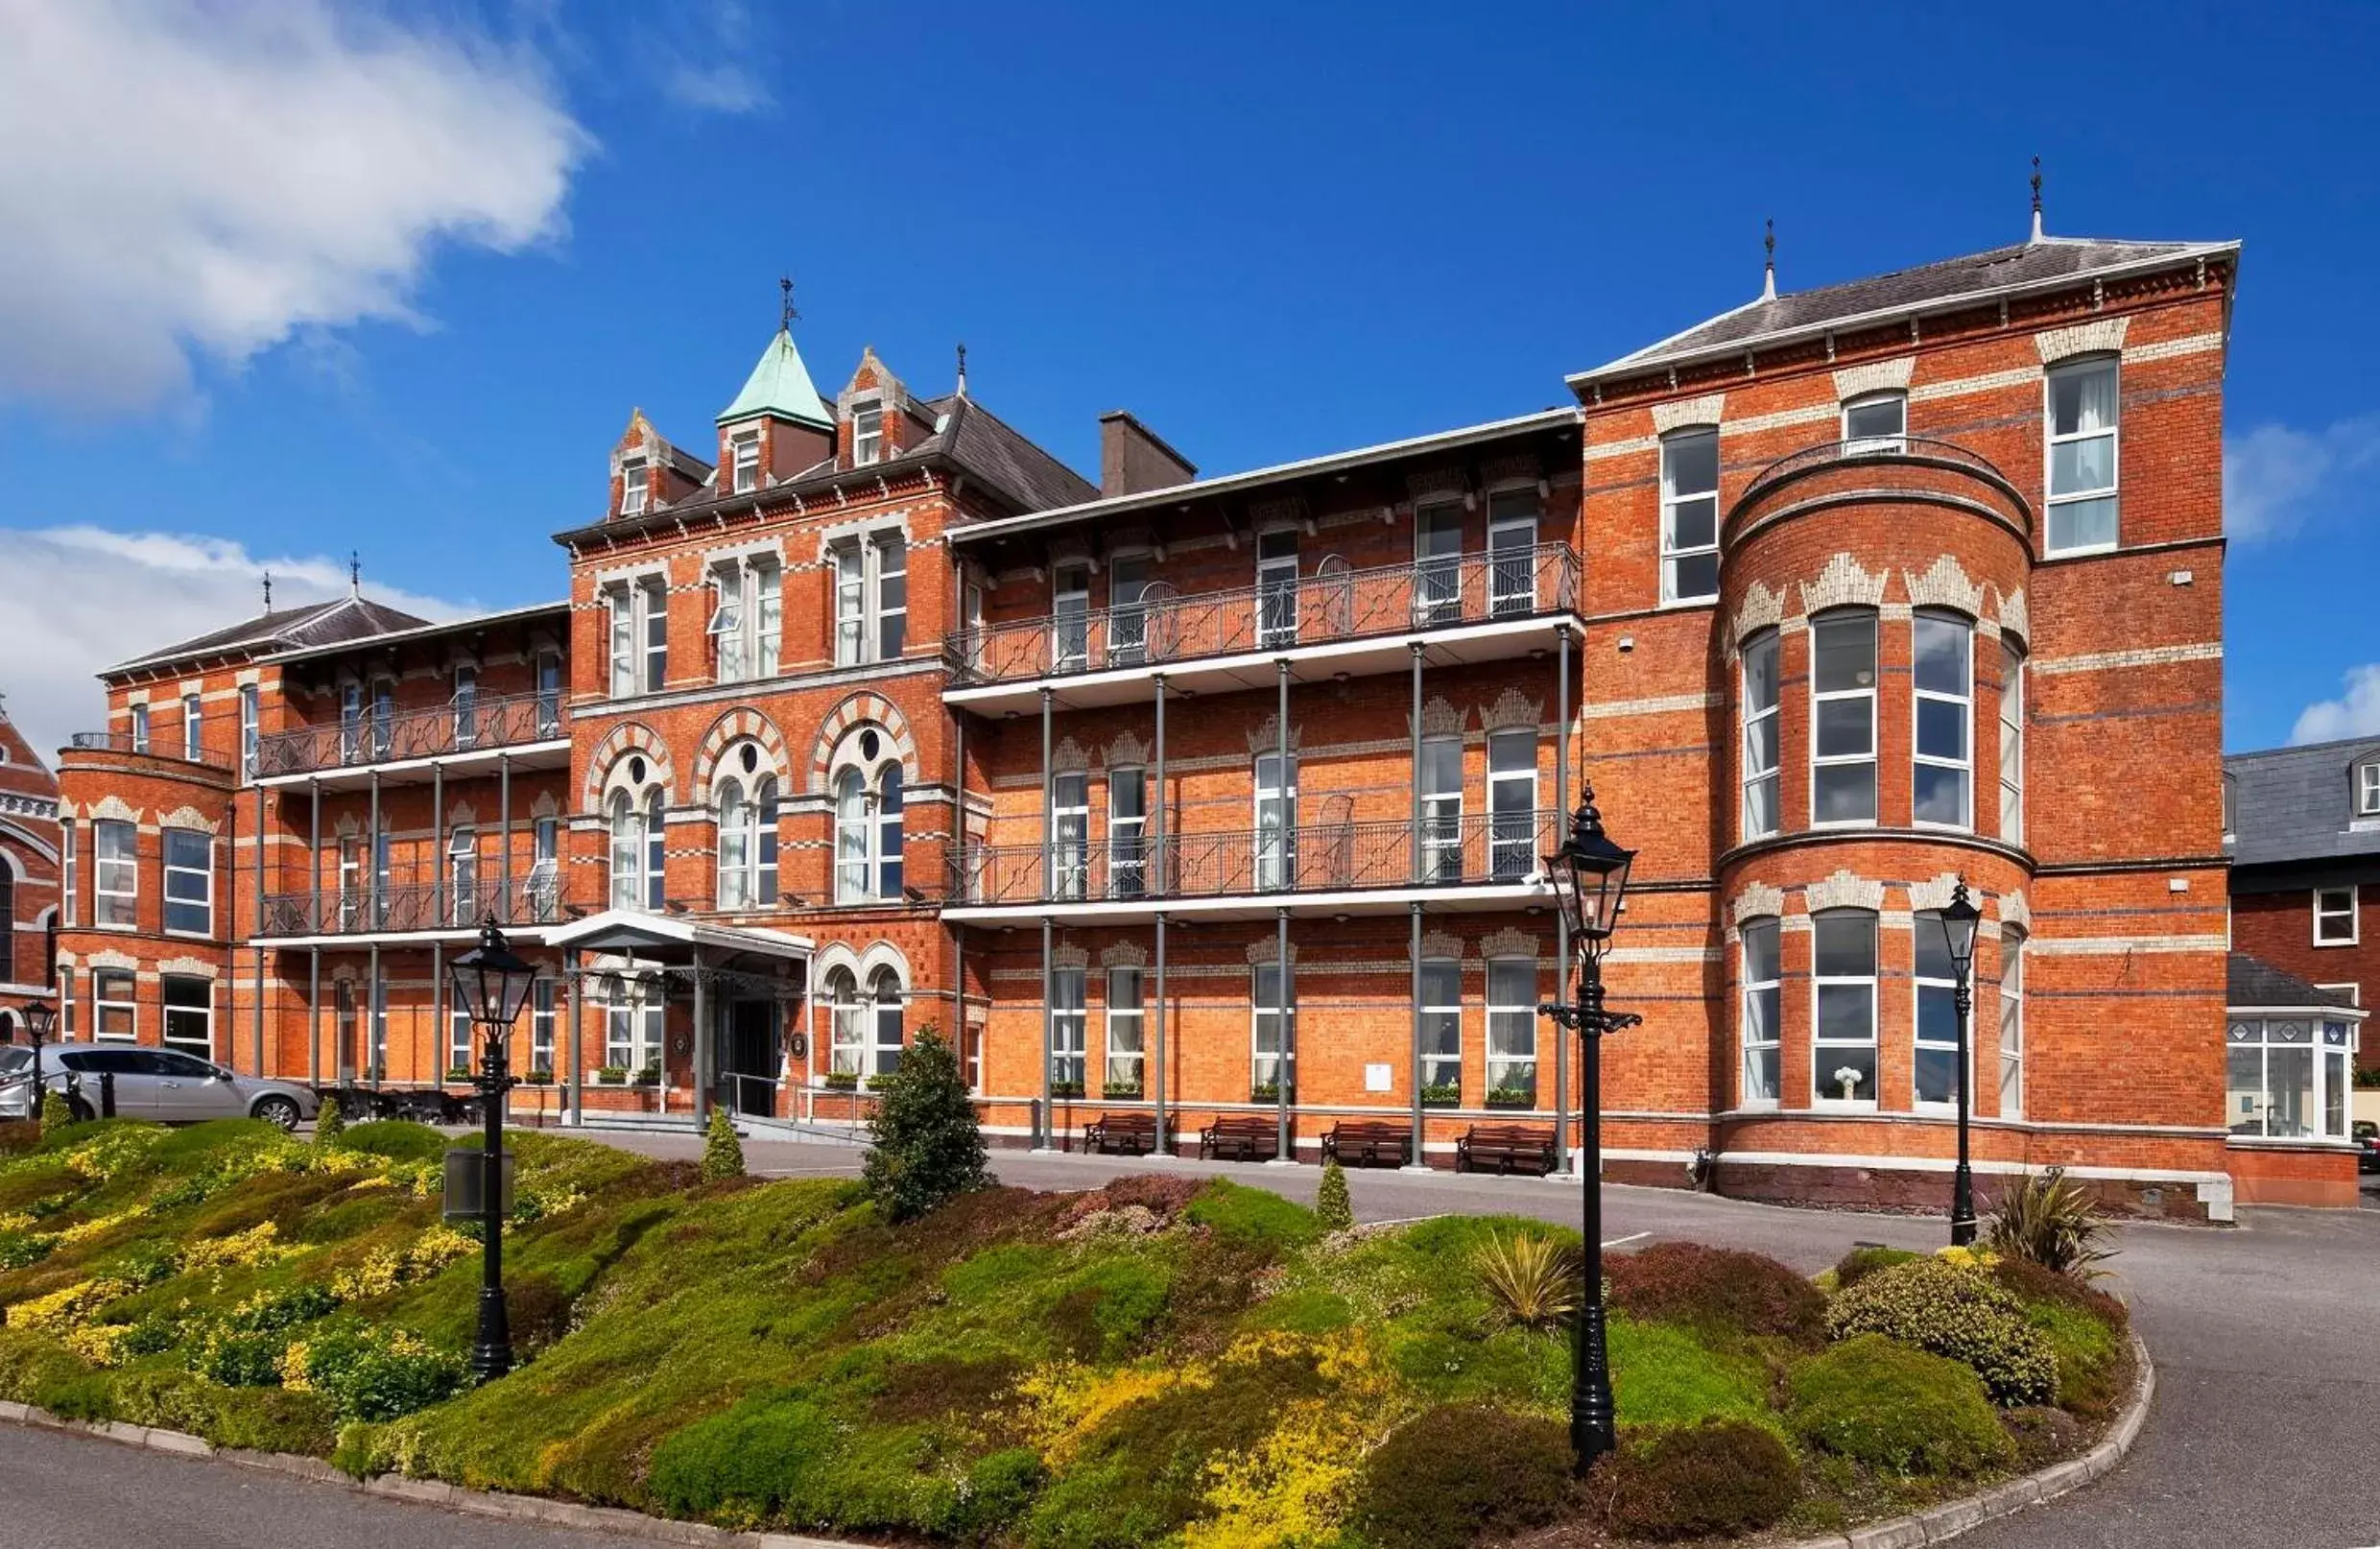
<point>1153,1363</point>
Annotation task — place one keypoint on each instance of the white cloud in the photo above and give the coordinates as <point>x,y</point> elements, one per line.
<point>202,180</point>
<point>2354,713</point>
<point>80,599</point>
<point>2278,479</point>
<point>706,51</point>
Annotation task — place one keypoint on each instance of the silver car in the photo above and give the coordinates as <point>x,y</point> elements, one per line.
<point>166,1086</point>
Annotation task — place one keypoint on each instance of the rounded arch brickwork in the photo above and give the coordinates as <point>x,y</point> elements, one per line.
<point>863,708</point>
<point>743,724</point>
<point>627,738</point>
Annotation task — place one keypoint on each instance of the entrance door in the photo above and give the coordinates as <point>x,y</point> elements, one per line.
<point>750,1051</point>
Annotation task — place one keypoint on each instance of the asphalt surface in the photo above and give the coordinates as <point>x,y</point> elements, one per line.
<point>2266,1429</point>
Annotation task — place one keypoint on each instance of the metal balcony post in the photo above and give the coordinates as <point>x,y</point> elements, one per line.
<point>1561,921</point>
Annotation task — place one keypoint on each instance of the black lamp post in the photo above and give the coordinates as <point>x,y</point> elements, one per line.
<point>1960,918</point>
<point>1589,874</point>
<point>40,1021</point>
<point>491,983</point>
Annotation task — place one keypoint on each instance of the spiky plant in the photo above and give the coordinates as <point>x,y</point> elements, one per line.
<point>2050,1222</point>
<point>1533,1280</point>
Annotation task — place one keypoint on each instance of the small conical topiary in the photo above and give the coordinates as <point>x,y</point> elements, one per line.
<point>928,1148</point>
<point>1331,1206</point>
<point>722,1154</point>
<point>329,1125</point>
<point>56,1113</point>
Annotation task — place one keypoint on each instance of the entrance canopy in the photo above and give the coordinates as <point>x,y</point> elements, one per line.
<point>746,958</point>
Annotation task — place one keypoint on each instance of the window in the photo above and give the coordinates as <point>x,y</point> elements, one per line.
<point>383,718</point>
<point>1843,1053</point>
<point>466,707</point>
<point>1690,516</point>
<point>67,1002</point>
<point>1937,1062</point>
<point>1944,772</point>
<point>2367,792</point>
<point>623,642</point>
<point>248,734</point>
<point>850,604</point>
<point>635,487</point>
<point>1128,817</point>
<point>1070,616</point>
<point>2013,749</point>
<point>1760,735</point>
<point>114,1013</point>
<point>378,1055</point>
<point>892,596</point>
<point>1123,1031</point>
<point>653,600</point>
<point>193,735</point>
<point>140,729</point>
<point>633,1025</point>
<point>734,821</point>
<point>871,599</point>
<point>1276,587</point>
<point>382,844</point>
<point>1128,620</point>
<point>2335,917</point>
<point>1512,806</point>
<point>68,868</point>
<point>764,844</point>
<point>549,694</point>
<point>463,878</point>
<point>1842,689</point>
<point>768,605</point>
<point>1513,553</point>
<point>115,873</point>
<point>189,882</point>
<point>350,722</point>
<point>1442,1031</point>
<point>1277,823</point>
<point>866,434</point>
<point>747,620</point>
<point>542,891</point>
<point>846,1028</point>
<point>457,1037</point>
<point>628,851</point>
<point>640,638</point>
<point>1070,833</point>
<point>654,851</point>
<point>1265,1014</point>
<point>1441,809</point>
<point>2289,1077</point>
<point>887,987</point>
<point>350,883</point>
<point>343,991</point>
<point>2081,513</point>
<point>1512,1032</point>
<point>1763,1009</point>
<point>1875,424</point>
<point>2011,1025</point>
<point>1437,561</point>
<point>1067,1029</point>
<point>542,1026</point>
<point>189,1003</point>
<point>744,454</point>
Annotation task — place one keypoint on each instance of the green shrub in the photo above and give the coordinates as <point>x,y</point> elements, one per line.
<point>1001,1486</point>
<point>722,1154</point>
<point>1956,1311</point>
<point>240,1358</point>
<point>369,1376</point>
<point>1891,1406</point>
<point>1697,1481</point>
<point>329,1124</point>
<point>22,1250</point>
<point>753,1461</point>
<point>2046,1221</point>
<point>1258,1217</point>
<point>1720,1288</point>
<point>927,1147</point>
<point>398,1140</point>
<point>1459,1472</point>
<point>56,1113</point>
<point>1533,1280</point>
<point>2086,1330</point>
<point>1665,1375</point>
<point>1333,1210</point>
<point>1860,1263</point>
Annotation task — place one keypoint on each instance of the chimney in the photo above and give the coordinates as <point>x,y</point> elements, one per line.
<point>1132,460</point>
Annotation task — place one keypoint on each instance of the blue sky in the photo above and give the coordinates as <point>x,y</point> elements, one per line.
<point>409,312</point>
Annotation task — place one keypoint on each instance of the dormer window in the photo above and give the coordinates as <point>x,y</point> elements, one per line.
<point>2367,790</point>
<point>744,453</point>
<point>866,434</point>
<point>1876,424</point>
<point>632,487</point>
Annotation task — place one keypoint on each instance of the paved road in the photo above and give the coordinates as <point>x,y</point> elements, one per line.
<point>2266,1432</point>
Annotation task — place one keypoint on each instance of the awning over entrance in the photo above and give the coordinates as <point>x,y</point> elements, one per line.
<point>671,938</point>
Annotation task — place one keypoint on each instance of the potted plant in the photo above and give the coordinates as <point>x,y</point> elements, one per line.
<point>1066,1089</point>
<point>649,1076</point>
<point>1513,1094</point>
<point>840,1081</point>
<point>611,1075</point>
<point>1120,1091</point>
<point>1848,1079</point>
<point>539,1078</point>
<point>875,1082</point>
<point>458,1073</point>
<point>1443,1094</point>
<point>1270,1091</point>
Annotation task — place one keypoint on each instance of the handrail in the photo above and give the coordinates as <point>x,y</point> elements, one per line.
<point>1916,449</point>
<point>124,742</point>
<point>421,732</point>
<point>1472,850</point>
<point>1313,608</point>
<point>533,899</point>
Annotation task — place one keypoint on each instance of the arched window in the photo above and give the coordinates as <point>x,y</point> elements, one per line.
<point>628,851</point>
<point>885,992</point>
<point>867,789</point>
<point>851,874</point>
<point>7,919</point>
<point>735,845</point>
<point>847,1033</point>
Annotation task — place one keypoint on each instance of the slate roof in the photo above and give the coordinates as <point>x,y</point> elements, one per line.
<point>2251,981</point>
<point>2298,805</point>
<point>317,624</point>
<point>983,443</point>
<point>1932,287</point>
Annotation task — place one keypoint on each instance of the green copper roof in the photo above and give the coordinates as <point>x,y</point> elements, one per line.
<point>780,384</point>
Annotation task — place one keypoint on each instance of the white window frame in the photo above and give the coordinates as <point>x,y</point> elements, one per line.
<point>115,879</point>
<point>204,873</point>
<point>542,1024</point>
<point>193,728</point>
<point>744,461</point>
<point>1826,1092</point>
<point>1128,832</point>
<point>140,728</point>
<point>550,691</point>
<point>635,486</point>
<point>1070,617</point>
<point>464,702</point>
<point>67,870</point>
<point>1441,809</point>
<point>463,877</point>
<point>1070,833</point>
<point>168,1013</point>
<point>2352,912</point>
<point>621,641</point>
<point>2353,990</point>
<point>250,733</point>
<point>1963,767</point>
<point>1876,443</point>
<point>458,1038</point>
<point>1275,854</point>
<point>1127,1045</point>
<point>2011,1024</point>
<point>846,1027</point>
<point>102,1003</point>
<point>2012,748</point>
<point>866,434</point>
<point>627,818</point>
<point>1068,1055</point>
<point>2368,789</point>
<point>634,1027</point>
<point>382,717</point>
<point>1262,1008</point>
<point>541,890</point>
<point>1513,828</point>
<point>1437,571</point>
<point>863,575</point>
<point>2329,1045</point>
<point>1278,584</point>
<point>888,1006</point>
<point>1672,501</point>
<point>727,625</point>
<point>1763,1005</point>
<point>350,722</point>
<point>1818,698</point>
<point>1760,777</point>
<point>1511,1024</point>
<point>2052,440</point>
<point>1128,615</point>
<point>1944,985</point>
<point>1441,1024</point>
<point>1512,565</point>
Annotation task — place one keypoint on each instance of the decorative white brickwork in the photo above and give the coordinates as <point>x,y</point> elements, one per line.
<point>2100,335</point>
<point>1757,901</point>
<point>1684,412</point>
<point>1844,891</point>
<point>1843,583</point>
<point>1876,376</point>
<point>1946,585</point>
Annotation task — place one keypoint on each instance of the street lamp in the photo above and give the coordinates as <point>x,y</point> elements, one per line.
<point>1960,918</point>
<point>1589,874</point>
<point>490,984</point>
<point>40,1021</point>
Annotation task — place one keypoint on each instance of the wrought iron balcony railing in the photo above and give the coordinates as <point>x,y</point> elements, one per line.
<point>124,742</point>
<point>1335,603</point>
<point>1324,857</point>
<point>1913,451</point>
<point>408,905</point>
<point>378,737</point>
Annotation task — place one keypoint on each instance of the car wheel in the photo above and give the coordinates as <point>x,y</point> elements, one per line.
<point>281,1112</point>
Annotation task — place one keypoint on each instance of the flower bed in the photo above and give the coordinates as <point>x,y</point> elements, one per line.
<point>1153,1363</point>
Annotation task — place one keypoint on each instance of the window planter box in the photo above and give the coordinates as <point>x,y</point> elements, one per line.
<point>877,1082</point>
<point>1513,1097</point>
<point>649,1076</point>
<point>538,1078</point>
<point>1443,1094</point>
<point>1271,1092</point>
<point>458,1073</point>
<point>839,1081</point>
<point>612,1076</point>
<point>1121,1091</point>
<point>1066,1089</point>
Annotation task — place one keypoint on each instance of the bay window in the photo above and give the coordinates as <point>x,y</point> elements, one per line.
<point>140,729</point>
<point>189,1005</point>
<point>1943,773</point>
<point>2013,746</point>
<point>1763,1007</point>
<point>1843,992</point>
<point>2011,1024</point>
<point>1937,1061</point>
<point>1843,696</point>
<point>115,1015</point>
<point>1760,735</point>
<point>1690,515</point>
<point>2289,1078</point>
<point>115,873</point>
<point>2081,457</point>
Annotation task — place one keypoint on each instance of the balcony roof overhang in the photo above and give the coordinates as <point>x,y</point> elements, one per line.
<point>524,757</point>
<point>1533,894</point>
<point>668,936</point>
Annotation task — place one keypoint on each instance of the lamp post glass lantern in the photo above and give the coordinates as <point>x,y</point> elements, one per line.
<point>40,1021</point>
<point>1589,874</point>
<point>491,983</point>
<point>1960,918</point>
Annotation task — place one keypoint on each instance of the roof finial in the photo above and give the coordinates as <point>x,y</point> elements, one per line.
<point>355,574</point>
<point>786,316</point>
<point>2037,198</point>
<point>1767,277</point>
<point>267,591</point>
<point>962,371</point>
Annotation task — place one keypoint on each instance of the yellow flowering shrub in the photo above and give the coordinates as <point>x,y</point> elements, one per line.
<point>116,1147</point>
<point>1066,1403</point>
<point>435,1249</point>
<point>100,1343</point>
<point>65,1309</point>
<point>389,1267</point>
<point>258,1245</point>
<point>293,1367</point>
<point>1294,1487</point>
<point>18,1221</point>
<point>1973,1259</point>
<point>98,1224</point>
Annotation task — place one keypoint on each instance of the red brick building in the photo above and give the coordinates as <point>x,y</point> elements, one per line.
<point>29,854</point>
<point>1223,798</point>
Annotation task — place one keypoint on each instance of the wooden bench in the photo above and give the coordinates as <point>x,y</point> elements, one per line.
<point>1123,1134</point>
<point>1507,1147</point>
<point>1241,1138</point>
<point>1370,1142</point>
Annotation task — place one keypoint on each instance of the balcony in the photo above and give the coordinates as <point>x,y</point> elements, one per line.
<point>1355,867</point>
<point>406,907</point>
<point>168,748</point>
<point>474,734</point>
<point>1471,607</point>
<point>1880,467</point>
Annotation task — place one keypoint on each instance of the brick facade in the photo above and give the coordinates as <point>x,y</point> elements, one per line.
<point>29,863</point>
